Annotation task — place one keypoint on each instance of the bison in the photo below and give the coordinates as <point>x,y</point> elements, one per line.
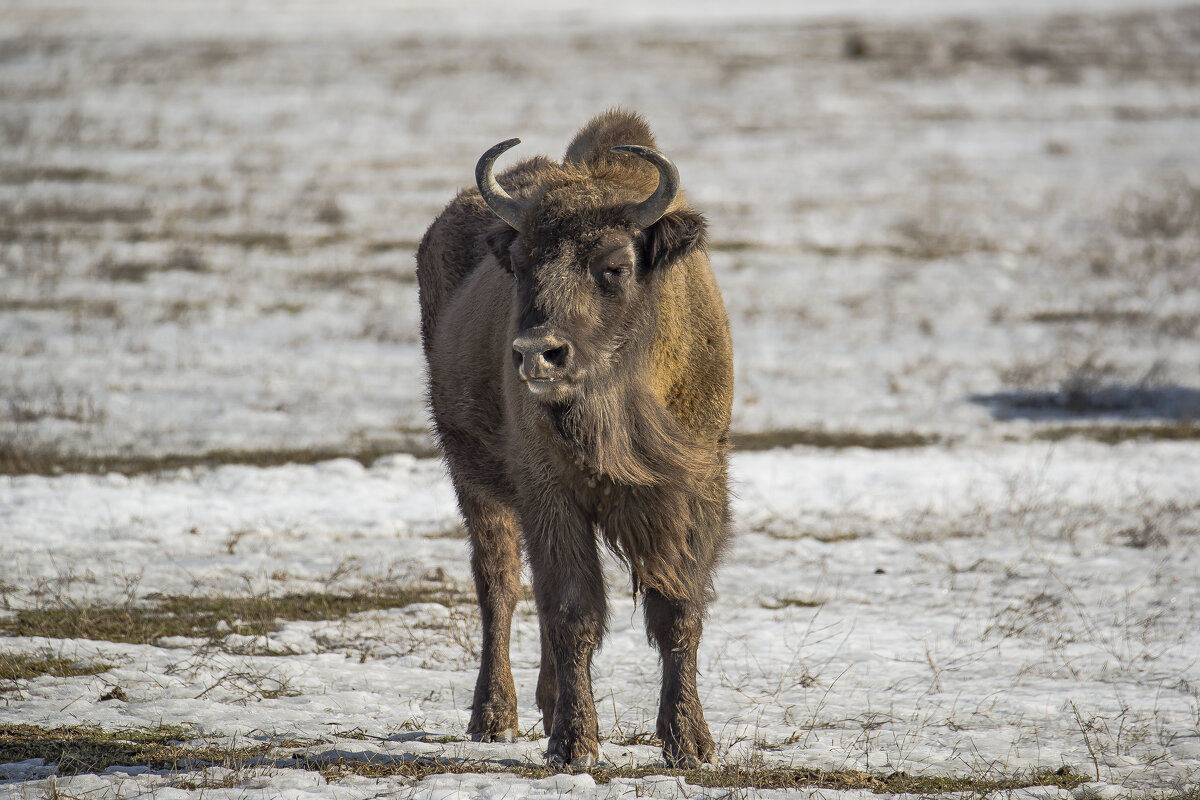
<point>581,380</point>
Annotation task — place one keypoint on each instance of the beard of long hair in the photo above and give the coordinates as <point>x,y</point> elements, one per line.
<point>625,439</point>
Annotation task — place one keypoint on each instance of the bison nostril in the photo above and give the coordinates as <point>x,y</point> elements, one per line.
<point>517,357</point>
<point>556,357</point>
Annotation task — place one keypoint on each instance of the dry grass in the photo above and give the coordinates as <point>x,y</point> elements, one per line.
<point>18,459</point>
<point>1118,432</point>
<point>791,602</point>
<point>351,278</point>
<point>213,617</point>
<point>76,750</point>
<point>25,666</point>
<point>34,459</point>
<point>57,212</point>
<point>732,776</point>
<point>31,173</point>
<point>183,259</point>
<point>792,437</point>
<point>389,245</point>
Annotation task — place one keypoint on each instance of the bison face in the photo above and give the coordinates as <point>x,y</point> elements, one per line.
<point>585,305</point>
<point>576,309</point>
<point>586,261</point>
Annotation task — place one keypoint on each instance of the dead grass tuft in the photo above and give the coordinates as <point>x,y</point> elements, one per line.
<point>23,174</point>
<point>36,459</point>
<point>58,212</point>
<point>792,437</point>
<point>1180,326</point>
<point>213,617</point>
<point>254,240</point>
<point>57,404</point>
<point>791,602</point>
<point>938,234</point>
<point>358,279</point>
<point>1169,210</point>
<point>25,666</point>
<point>77,306</point>
<point>1117,432</point>
<point>183,259</point>
<point>389,245</point>
<point>734,776</point>
<point>76,750</point>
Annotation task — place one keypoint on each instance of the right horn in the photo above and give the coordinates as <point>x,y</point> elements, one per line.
<point>651,210</point>
<point>499,201</point>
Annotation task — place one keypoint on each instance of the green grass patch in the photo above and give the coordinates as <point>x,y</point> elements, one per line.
<point>729,777</point>
<point>26,666</point>
<point>213,617</point>
<point>1118,433</point>
<point>89,749</point>
<point>793,437</point>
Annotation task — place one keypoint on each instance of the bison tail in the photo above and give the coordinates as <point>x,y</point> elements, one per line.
<point>591,148</point>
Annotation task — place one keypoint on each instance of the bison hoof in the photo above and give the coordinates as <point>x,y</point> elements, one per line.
<point>586,761</point>
<point>507,737</point>
<point>688,761</point>
<point>577,764</point>
<point>690,752</point>
<point>559,757</point>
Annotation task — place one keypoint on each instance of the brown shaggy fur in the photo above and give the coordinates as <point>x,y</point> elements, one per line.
<point>630,446</point>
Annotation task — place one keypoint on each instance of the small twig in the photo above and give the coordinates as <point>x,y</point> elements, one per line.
<point>1086,739</point>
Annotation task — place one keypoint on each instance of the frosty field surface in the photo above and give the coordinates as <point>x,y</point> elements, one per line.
<point>960,249</point>
<point>995,608</point>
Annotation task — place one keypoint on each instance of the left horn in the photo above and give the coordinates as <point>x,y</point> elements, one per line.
<point>502,204</point>
<point>651,210</point>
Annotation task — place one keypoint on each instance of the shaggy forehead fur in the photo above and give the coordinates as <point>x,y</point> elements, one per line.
<point>580,205</point>
<point>568,226</point>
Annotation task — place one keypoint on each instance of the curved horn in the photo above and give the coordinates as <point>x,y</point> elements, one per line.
<point>651,210</point>
<point>498,200</point>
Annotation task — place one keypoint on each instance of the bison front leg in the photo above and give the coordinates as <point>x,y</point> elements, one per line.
<point>496,563</point>
<point>568,585</point>
<point>547,685</point>
<point>675,627</point>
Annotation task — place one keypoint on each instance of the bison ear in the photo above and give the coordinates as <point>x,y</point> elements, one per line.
<point>674,237</point>
<point>498,241</point>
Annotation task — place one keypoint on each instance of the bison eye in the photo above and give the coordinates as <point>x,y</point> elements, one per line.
<point>613,274</point>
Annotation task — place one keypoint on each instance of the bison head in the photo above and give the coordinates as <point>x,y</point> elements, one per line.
<point>588,255</point>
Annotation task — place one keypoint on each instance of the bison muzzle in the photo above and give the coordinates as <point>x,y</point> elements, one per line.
<point>581,379</point>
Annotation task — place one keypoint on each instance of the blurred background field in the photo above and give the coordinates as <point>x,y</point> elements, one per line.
<point>934,224</point>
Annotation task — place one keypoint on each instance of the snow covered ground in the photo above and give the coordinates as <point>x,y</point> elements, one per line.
<point>972,230</point>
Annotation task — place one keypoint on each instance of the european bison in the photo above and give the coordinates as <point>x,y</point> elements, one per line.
<point>581,377</point>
